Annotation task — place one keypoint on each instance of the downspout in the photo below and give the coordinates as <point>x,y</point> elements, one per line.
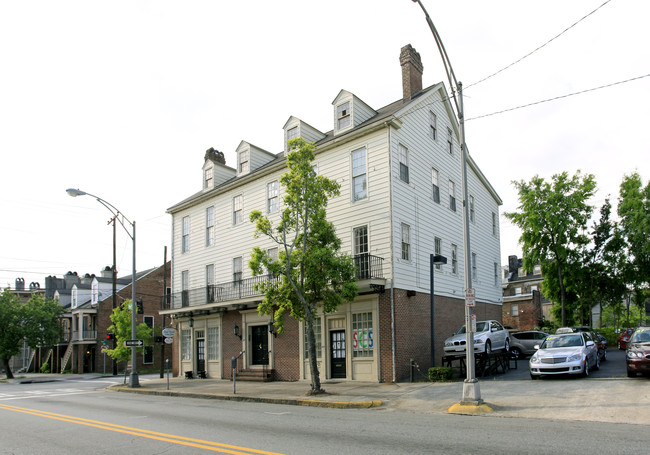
<point>392,256</point>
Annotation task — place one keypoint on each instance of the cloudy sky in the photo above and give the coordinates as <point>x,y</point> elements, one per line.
<point>121,99</point>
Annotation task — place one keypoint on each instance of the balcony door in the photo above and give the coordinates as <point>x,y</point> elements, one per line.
<point>361,257</point>
<point>260,345</point>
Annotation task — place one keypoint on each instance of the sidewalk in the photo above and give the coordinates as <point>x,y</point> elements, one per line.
<point>613,400</point>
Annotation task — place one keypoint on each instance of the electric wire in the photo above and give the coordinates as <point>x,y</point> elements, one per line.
<point>538,48</point>
<point>558,97</point>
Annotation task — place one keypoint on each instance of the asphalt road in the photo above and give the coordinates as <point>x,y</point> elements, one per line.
<point>81,417</point>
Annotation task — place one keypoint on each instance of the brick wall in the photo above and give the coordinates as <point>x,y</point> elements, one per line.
<point>286,352</point>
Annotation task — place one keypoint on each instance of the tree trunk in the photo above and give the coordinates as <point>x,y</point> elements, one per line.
<point>10,375</point>
<point>313,361</point>
<point>562,293</point>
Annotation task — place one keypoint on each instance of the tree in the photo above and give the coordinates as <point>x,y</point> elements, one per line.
<point>634,213</point>
<point>553,219</point>
<point>121,327</point>
<point>311,272</point>
<point>36,323</point>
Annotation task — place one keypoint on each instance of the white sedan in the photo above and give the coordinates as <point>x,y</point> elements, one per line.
<point>567,353</point>
<point>489,336</point>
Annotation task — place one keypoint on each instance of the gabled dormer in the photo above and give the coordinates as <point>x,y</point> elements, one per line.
<point>297,128</point>
<point>215,171</point>
<point>250,157</point>
<point>349,112</point>
<point>73,297</point>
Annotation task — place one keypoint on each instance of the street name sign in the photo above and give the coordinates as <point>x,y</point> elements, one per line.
<point>134,343</point>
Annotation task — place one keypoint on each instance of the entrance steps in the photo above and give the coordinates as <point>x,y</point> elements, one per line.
<point>255,375</point>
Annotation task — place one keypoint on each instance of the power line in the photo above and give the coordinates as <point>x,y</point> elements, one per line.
<point>559,97</point>
<point>543,45</point>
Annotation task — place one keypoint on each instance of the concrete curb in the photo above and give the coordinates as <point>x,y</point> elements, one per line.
<point>243,398</point>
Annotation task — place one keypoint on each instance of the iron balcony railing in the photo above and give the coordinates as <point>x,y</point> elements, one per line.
<point>85,335</point>
<point>368,267</point>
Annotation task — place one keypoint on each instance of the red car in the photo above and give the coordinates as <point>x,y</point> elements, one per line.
<point>624,337</point>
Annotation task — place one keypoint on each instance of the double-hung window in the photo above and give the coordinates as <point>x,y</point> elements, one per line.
<point>450,142</point>
<point>185,240</point>
<point>471,208</point>
<point>186,346</point>
<point>359,175</point>
<point>494,223</point>
<point>211,296</point>
<point>361,258</point>
<point>343,115</point>
<point>237,208</point>
<point>474,267</point>
<point>209,226</point>
<point>452,196</point>
<point>403,163</point>
<point>433,124</point>
<point>406,242</point>
<point>292,133</point>
<point>207,183</point>
<point>213,343</point>
<point>496,274</point>
<point>185,288</point>
<point>272,195</point>
<point>435,184</point>
<point>237,269</point>
<point>454,259</point>
<point>244,162</point>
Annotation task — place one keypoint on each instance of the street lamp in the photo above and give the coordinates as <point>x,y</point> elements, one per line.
<point>119,216</point>
<point>435,259</point>
<point>471,389</point>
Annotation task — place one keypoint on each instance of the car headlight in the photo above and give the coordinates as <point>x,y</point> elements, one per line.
<point>479,341</point>
<point>534,359</point>
<point>634,354</point>
<point>574,357</point>
<point>449,343</point>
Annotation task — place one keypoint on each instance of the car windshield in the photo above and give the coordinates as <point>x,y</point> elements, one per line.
<point>480,327</point>
<point>567,341</point>
<point>641,336</point>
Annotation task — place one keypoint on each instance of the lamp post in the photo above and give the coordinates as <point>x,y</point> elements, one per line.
<point>471,389</point>
<point>119,216</point>
<point>435,259</point>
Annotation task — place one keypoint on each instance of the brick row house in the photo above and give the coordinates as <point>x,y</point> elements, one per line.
<point>524,306</point>
<point>399,168</point>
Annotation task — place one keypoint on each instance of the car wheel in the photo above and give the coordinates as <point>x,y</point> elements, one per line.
<point>585,372</point>
<point>604,355</point>
<point>515,353</point>
<point>533,377</point>
<point>631,374</point>
<point>488,347</point>
<point>507,345</point>
<point>597,365</point>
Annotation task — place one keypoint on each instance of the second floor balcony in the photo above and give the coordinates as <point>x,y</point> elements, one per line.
<point>369,274</point>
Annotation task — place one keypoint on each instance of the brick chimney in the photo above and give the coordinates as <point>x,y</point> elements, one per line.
<point>411,71</point>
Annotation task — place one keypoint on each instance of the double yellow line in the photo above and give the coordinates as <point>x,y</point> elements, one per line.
<point>190,442</point>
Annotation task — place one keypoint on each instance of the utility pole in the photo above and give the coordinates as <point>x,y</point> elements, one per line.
<point>114,294</point>
<point>162,316</point>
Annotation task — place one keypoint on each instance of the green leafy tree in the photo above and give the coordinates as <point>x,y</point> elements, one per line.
<point>36,322</point>
<point>11,335</point>
<point>553,219</point>
<point>311,272</point>
<point>121,327</point>
<point>634,213</point>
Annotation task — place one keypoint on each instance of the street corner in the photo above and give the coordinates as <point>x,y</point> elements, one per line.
<point>470,408</point>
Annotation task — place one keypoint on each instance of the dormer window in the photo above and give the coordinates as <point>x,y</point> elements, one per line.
<point>343,116</point>
<point>207,178</point>
<point>73,297</point>
<point>292,133</point>
<point>94,296</point>
<point>244,162</point>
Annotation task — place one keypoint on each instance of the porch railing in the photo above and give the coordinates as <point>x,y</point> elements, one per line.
<point>367,267</point>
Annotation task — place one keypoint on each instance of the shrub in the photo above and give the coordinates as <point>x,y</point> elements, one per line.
<point>440,374</point>
<point>45,368</point>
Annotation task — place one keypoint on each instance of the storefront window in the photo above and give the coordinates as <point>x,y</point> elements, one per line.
<point>317,335</point>
<point>186,347</point>
<point>362,339</point>
<point>213,343</point>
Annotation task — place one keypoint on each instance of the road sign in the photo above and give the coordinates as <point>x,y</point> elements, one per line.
<point>105,348</point>
<point>169,340</point>
<point>169,332</point>
<point>470,297</point>
<point>134,343</point>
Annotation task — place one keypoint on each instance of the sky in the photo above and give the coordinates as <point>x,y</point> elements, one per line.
<point>121,99</point>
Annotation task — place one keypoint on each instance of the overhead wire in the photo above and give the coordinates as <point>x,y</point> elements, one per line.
<point>538,48</point>
<point>558,97</point>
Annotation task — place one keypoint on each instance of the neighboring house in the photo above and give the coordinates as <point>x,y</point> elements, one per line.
<point>400,173</point>
<point>523,303</point>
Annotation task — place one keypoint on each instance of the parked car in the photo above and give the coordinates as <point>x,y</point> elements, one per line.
<point>638,352</point>
<point>523,343</point>
<point>489,336</point>
<point>623,338</point>
<point>566,353</point>
<point>600,340</point>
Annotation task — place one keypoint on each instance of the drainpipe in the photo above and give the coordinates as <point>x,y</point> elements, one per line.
<point>392,256</point>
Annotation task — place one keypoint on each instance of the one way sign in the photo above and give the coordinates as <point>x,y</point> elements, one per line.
<point>134,343</point>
